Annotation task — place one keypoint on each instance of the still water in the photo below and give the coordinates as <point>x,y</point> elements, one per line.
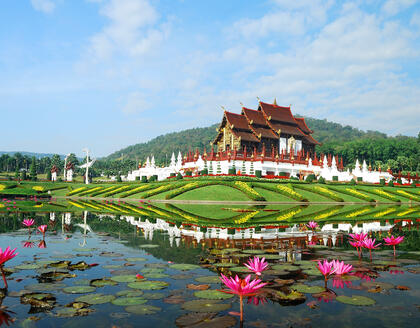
<point>93,259</point>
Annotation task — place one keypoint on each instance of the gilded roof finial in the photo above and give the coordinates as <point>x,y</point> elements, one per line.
<point>258,98</point>
<point>242,105</point>
<point>275,102</point>
<point>223,107</point>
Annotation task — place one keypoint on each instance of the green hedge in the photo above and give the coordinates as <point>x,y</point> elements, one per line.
<point>358,194</point>
<point>281,189</point>
<point>321,192</point>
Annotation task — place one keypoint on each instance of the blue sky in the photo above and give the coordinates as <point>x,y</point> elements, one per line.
<point>111,73</point>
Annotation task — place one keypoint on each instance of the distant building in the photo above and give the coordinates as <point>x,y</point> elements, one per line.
<point>270,127</point>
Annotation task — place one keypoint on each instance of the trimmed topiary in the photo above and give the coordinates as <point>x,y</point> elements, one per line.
<point>359,179</point>
<point>335,178</point>
<point>391,183</point>
<point>352,182</point>
<point>382,182</point>
<point>321,180</point>
<point>258,173</point>
<point>179,176</point>
<point>144,179</point>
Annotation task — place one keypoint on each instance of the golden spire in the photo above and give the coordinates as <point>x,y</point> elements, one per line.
<point>275,102</point>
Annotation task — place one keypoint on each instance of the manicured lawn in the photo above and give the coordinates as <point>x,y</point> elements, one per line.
<point>214,193</point>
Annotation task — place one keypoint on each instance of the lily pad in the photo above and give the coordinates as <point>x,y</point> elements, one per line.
<point>312,272</point>
<point>208,321</point>
<point>156,275</point>
<point>270,256</point>
<point>153,296</point>
<point>374,284</point>
<point>208,279</point>
<point>111,254</point>
<point>84,250</point>
<point>125,301</point>
<point>32,266</point>
<point>224,265</point>
<point>156,265</point>
<point>148,246</point>
<point>142,309</point>
<point>79,289</point>
<point>44,287</point>
<point>38,300</point>
<point>184,266</point>
<point>102,282</point>
<point>205,306</point>
<point>112,266</point>
<point>135,259</point>
<point>302,288</point>
<point>124,278</point>
<point>148,285</point>
<point>152,270</point>
<point>212,294</point>
<point>59,264</point>
<point>253,251</point>
<point>130,293</point>
<point>182,276</point>
<point>356,300</point>
<point>293,298</point>
<point>286,267</point>
<point>81,282</point>
<point>82,265</point>
<point>96,298</point>
<point>240,269</point>
<point>231,250</point>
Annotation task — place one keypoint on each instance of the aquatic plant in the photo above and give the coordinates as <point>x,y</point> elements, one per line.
<point>242,287</point>
<point>327,269</point>
<point>357,242</point>
<point>28,223</point>
<point>257,265</point>
<point>369,243</point>
<point>5,256</point>
<point>312,225</point>
<point>341,268</point>
<point>42,229</point>
<point>393,241</point>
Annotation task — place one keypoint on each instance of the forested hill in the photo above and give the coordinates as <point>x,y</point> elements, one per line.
<point>346,141</point>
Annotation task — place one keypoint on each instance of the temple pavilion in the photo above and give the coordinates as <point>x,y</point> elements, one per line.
<point>269,127</point>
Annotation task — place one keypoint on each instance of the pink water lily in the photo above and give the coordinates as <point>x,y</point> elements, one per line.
<point>358,236</point>
<point>341,268</point>
<point>42,229</point>
<point>340,283</point>
<point>369,243</point>
<point>242,287</point>
<point>327,269</point>
<point>257,265</point>
<point>5,256</point>
<point>393,241</point>
<point>312,225</point>
<point>28,222</point>
<point>42,244</point>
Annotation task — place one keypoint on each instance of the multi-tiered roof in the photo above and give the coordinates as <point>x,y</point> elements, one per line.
<point>269,121</point>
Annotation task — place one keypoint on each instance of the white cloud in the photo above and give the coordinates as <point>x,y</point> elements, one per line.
<point>393,7</point>
<point>46,6</point>
<point>131,29</point>
<point>136,103</point>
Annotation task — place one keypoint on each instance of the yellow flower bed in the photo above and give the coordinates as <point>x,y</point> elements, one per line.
<point>75,204</point>
<point>38,188</point>
<point>39,205</point>
<point>74,191</point>
<point>385,212</point>
<point>157,211</point>
<point>91,205</point>
<point>289,191</point>
<point>355,192</point>
<point>383,193</point>
<point>406,194</point>
<point>408,211</point>
<point>326,191</point>
<point>117,208</point>
<point>246,218</point>
<point>1,205</point>
<point>288,215</point>
<point>358,212</point>
<point>247,188</point>
<point>326,215</point>
<point>93,189</point>
<point>2,187</point>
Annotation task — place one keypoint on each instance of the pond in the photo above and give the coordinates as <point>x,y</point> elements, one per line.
<point>115,269</point>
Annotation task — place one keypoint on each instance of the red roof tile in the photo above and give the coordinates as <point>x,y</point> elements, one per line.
<point>238,121</point>
<point>245,136</point>
<point>277,113</point>
<point>302,125</point>
<point>255,116</point>
<point>287,129</point>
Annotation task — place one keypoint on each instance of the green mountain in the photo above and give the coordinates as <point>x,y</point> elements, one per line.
<point>351,143</point>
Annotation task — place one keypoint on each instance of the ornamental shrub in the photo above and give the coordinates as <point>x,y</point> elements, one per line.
<point>391,183</point>
<point>205,171</point>
<point>172,175</point>
<point>352,182</point>
<point>258,173</point>
<point>321,180</point>
<point>413,184</point>
<point>156,178</point>
<point>144,179</point>
<point>49,175</point>
<point>359,179</point>
<point>152,178</point>
<point>232,171</point>
<point>309,178</point>
<point>382,182</point>
<point>119,178</point>
<point>23,175</point>
<point>335,178</point>
<point>179,176</point>
<point>188,173</point>
<point>283,174</point>
<point>138,178</point>
<point>399,181</point>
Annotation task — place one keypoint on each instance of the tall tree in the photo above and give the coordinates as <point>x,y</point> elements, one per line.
<point>33,169</point>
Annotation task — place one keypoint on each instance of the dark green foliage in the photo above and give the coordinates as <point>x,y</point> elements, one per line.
<point>33,169</point>
<point>391,183</point>
<point>258,173</point>
<point>119,178</point>
<point>310,178</point>
<point>172,175</point>
<point>284,174</point>
<point>413,184</point>
<point>152,178</point>
<point>335,178</point>
<point>359,179</point>
<point>179,176</point>
<point>204,172</point>
<point>399,181</point>
<point>144,179</point>
<point>232,171</point>
<point>137,178</point>
<point>352,182</point>
<point>321,180</point>
<point>23,175</point>
<point>49,175</point>
<point>188,173</point>
<point>382,182</point>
